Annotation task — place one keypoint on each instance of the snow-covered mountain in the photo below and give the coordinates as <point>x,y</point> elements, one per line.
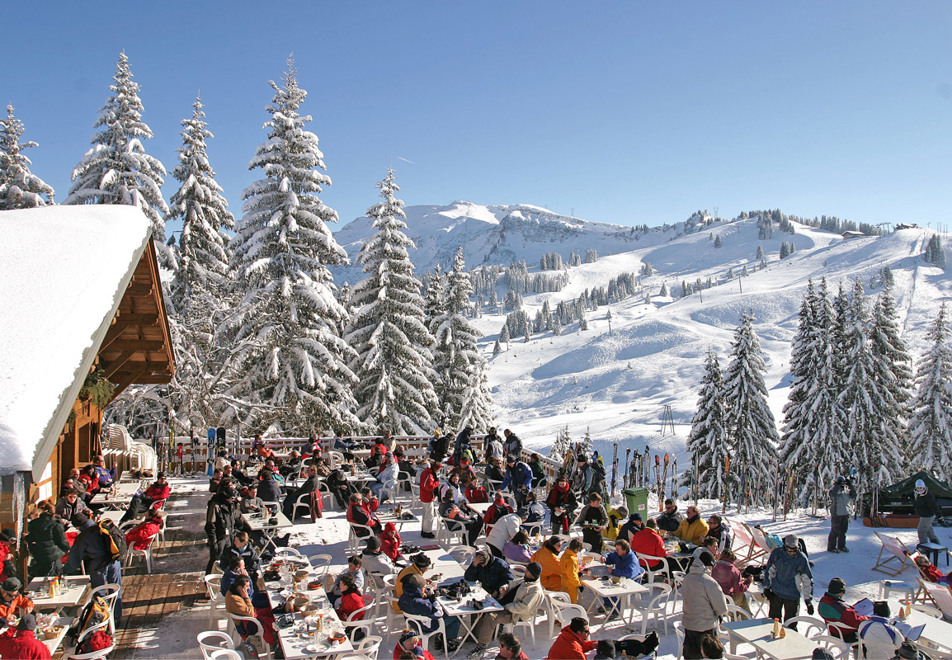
<point>617,384</point>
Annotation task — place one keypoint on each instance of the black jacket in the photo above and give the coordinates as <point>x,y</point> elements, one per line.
<point>47,542</point>
<point>491,576</point>
<point>220,518</point>
<point>926,505</point>
<point>269,490</point>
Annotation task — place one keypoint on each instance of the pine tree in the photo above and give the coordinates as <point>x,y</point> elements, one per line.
<point>434,288</point>
<point>19,188</point>
<point>717,241</point>
<point>708,442</point>
<point>562,444</point>
<point>750,423</point>
<point>117,169</point>
<point>760,252</point>
<point>289,353</point>
<point>394,364</point>
<point>930,425</point>
<point>504,337</point>
<point>461,387</point>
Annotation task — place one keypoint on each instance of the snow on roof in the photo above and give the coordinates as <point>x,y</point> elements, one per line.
<point>63,272</point>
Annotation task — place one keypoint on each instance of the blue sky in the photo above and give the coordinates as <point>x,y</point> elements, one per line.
<point>626,112</point>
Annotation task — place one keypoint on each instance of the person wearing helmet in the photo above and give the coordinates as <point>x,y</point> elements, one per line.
<point>926,508</point>
<point>841,495</point>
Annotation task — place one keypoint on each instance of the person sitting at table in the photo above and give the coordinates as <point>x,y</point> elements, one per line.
<point>23,643</point>
<point>520,600</point>
<point>646,544</point>
<point>452,512</point>
<point>405,465</point>
<point>239,475</point>
<point>240,547</point>
<point>502,532</point>
<point>375,561</point>
<point>569,569</point>
<point>264,451</point>
<point>238,601</point>
<point>250,502</point>
<point>495,472</point>
<point>358,515</point>
<point>833,609</point>
<point>139,537</point>
<point>593,519</point>
<point>532,512</point>
<point>46,540</point>
<point>142,502</point>
<point>90,480</point>
<point>719,529</point>
<point>340,488</point>
<point>369,501</point>
<point>615,518</point>
<point>453,487</point>
<point>378,452</point>
<point>708,543</point>
<point>475,493</point>
<point>562,504</point>
<point>548,557</point>
<point>518,479</point>
<point>73,481</point>
<point>385,485</point>
<point>272,467</point>
<point>703,604</point>
<point>234,568</point>
<point>573,642</point>
<point>670,519</point>
<point>464,470</point>
<point>105,475</point>
<point>491,572</point>
<point>291,468</point>
<point>68,505</point>
<point>624,564</point>
<point>349,602</point>
<point>538,472</point>
<point>497,510</point>
<point>12,602</point>
<point>311,485</point>
<point>931,572</point>
<point>268,489</point>
<point>215,480</point>
<point>517,549</point>
<point>410,647</point>
<point>726,574</point>
<point>418,600</point>
<point>355,567</point>
<point>390,542</point>
<point>692,529</point>
<point>419,564</point>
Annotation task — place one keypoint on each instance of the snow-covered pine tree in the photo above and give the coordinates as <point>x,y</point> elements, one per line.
<point>434,293</point>
<point>19,188</point>
<point>750,423</point>
<point>709,442</point>
<point>717,241</point>
<point>586,446</point>
<point>930,425</point>
<point>393,365</point>
<point>504,337</point>
<point>288,349</point>
<point>562,444</point>
<point>462,388</point>
<point>812,440</point>
<point>892,383</point>
<point>117,169</point>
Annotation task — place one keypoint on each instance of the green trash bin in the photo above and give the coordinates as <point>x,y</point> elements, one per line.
<point>637,499</point>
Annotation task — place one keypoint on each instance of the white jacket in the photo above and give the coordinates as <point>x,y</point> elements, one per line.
<point>503,531</point>
<point>704,601</point>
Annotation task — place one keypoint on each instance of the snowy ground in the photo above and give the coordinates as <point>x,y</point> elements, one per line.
<point>175,634</point>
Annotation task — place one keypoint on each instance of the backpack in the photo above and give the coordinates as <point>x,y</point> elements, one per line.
<point>115,541</point>
<point>94,612</point>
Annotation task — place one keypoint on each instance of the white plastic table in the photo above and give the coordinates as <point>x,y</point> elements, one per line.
<point>466,613</point>
<point>73,592</point>
<point>623,591</point>
<point>758,633</point>
<point>298,643</point>
<point>258,522</point>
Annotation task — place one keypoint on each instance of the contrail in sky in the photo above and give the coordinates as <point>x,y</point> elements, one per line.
<point>405,160</point>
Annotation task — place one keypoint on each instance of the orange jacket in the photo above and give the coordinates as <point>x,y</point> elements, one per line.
<point>568,564</point>
<point>551,571</point>
<point>570,646</point>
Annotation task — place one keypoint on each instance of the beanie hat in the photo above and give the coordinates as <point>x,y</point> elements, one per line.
<point>635,517</point>
<point>533,569</point>
<point>79,519</point>
<point>920,483</point>
<point>373,544</point>
<point>407,635</point>
<point>707,558</point>
<point>11,584</point>
<point>822,654</point>
<point>485,553</point>
<point>837,586</point>
<point>908,650</point>
<point>27,622</point>
<point>421,560</point>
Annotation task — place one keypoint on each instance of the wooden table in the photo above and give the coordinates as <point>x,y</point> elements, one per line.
<point>259,523</point>
<point>758,633</point>
<point>73,592</point>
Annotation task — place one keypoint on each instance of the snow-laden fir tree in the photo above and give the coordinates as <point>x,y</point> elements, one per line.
<point>562,445</point>
<point>393,364</point>
<point>709,442</point>
<point>434,293</point>
<point>117,169</point>
<point>19,188</point>
<point>291,364</point>
<point>930,425</point>
<point>750,423</point>
<point>200,284</point>
<point>892,376</point>
<point>812,440</point>
<point>461,386</point>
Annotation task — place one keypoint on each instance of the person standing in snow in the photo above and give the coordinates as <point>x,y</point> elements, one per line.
<point>788,578</point>
<point>704,605</point>
<point>926,508</point>
<point>841,495</point>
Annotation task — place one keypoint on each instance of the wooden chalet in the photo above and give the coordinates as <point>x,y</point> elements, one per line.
<point>84,304</point>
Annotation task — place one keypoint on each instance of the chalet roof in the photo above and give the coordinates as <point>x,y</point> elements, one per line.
<point>66,273</point>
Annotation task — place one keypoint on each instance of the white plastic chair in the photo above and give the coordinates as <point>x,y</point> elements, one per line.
<point>814,625</point>
<point>647,560</point>
<point>840,649</point>
<point>214,640</point>
<point>226,654</point>
<point>321,564</point>
<point>109,593</point>
<point>679,633</point>
<point>565,613</point>
<point>353,622</point>
<point>253,623</point>
<point>653,604</point>
<point>215,597</point>
<point>303,501</point>
<point>419,623</point>
<point>353,540</point>
<point>101,653</point>
<point>145,553</point>
<point>291,554</point>
<point>462,554</point>
<point>367,649</point>
<point>927,610</point>
<point>454,529</point>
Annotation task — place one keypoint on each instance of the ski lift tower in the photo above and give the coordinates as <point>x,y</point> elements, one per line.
<point>667,421</point>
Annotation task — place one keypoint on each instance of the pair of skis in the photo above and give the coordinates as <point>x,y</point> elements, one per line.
<point>216,441</point>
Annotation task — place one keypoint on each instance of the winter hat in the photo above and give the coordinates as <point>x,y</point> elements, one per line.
<point>622,511</point>
<point>534,569</point>
<point>791,541</point>
<point>511,458</point>
<point>406,636</point>
<point>421,560</point>
<point>837,586</point>
<point>160,475</point>
<point>79,519</point>
<point>11,584</point>
<point>840,480</point>
<point>909,650</point>
<point>605,649</point>
<point>635,517</point>
<point>707,558</point>
<point>27,622</point>
<point>373,544</point>
<point>822,654</point>
<point>920,484</point>
<point>414,581</point>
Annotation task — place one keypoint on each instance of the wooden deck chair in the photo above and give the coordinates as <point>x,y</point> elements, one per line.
<point>894,551</point>
<point>744,546</point>
<point>941,595</point>
<point>760,541</point>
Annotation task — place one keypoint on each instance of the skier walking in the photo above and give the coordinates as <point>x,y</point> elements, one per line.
<point>926,508</point>
<point>841,495</point>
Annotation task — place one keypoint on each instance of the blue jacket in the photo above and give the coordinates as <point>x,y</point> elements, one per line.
<point>492,575</point>
<point>106,477</point>
<point>624,566</point>
<point>413,602</point>
<point>252,562</point>
<point>518,476</point>
<point>90,548</point>
<point>789,576</point>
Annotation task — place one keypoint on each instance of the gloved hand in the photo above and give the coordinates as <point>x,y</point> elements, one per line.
<point>809,607</point>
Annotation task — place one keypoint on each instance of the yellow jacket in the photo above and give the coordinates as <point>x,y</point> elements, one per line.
<point>411,569</point>
<point>551,572</point>
<point>568,564</point>
<point>614,518</point>
<point>692,532</point>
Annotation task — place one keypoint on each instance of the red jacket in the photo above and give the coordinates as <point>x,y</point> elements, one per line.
<point>23,644</point>
<point>5,555</point>
<point>397,652</point>
<point>156,492</point>
<point>570,646</point>
<point>429,485</point>
<point>649,542</point>
<point>495,512</point>
<point>349,603</point>
<point>476,495</point>
<point>390,541</point>
<point>139,536</point>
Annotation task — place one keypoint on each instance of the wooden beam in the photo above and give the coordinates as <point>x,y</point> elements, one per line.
<point>139,289</point>
<point>137,345</point>
<point>110,368</point>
